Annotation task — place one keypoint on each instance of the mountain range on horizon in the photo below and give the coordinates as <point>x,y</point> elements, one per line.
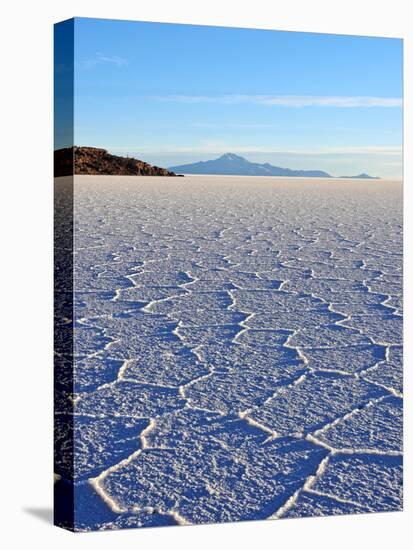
<point>230,164</point>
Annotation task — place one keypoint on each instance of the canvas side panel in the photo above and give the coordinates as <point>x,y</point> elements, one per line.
<point>63,274</point>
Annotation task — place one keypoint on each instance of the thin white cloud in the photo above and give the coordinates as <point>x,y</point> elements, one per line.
<point>216,148</point>
<point>114,59</point>
<point>102,58</point>
<point>231,125</point>
<point>289,100</point>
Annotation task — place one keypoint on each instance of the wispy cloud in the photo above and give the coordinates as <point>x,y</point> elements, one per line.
<point>215,148</point>
<point>101,58</point>
<point>230,125</point>
<point>288,100</point>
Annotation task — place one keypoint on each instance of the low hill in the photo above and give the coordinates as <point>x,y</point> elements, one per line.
<point>360,177</point>
<point>94,162</point>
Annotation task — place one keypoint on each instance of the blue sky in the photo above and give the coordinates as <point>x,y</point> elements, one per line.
<point>170,94</point>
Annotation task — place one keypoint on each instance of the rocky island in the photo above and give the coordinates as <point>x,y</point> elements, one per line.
<point>94,161</point>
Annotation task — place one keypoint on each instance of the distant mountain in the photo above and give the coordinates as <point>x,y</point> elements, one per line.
<point>234,165</point>
<point>95,161</point>
<point>361,177</point>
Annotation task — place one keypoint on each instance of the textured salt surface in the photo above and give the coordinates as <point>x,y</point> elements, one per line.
<point>238,349</point>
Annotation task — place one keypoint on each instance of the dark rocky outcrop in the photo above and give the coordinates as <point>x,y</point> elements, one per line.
<point>95,162</point>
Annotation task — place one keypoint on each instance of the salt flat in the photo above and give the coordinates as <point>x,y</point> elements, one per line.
<point>237,349</point>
